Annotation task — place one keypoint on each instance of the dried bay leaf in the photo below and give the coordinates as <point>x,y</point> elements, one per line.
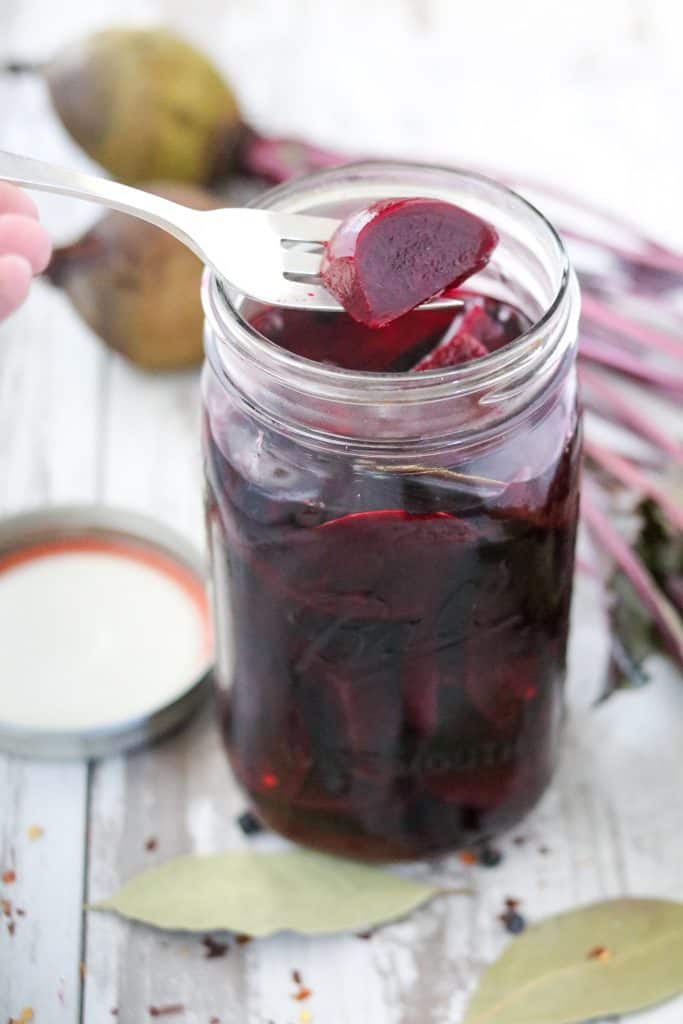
<point>660,547</point>
<point>634,638</point>
<point>635,635</point>
<point>262,893</point>
<point>607,958</point>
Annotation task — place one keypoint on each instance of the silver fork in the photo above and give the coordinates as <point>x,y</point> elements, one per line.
<point>263,254</point>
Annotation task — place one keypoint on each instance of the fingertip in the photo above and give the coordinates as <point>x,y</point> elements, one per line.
<point>23,236</point>
<point>15,200</point>
<point>15,280</point>
<point>41,250</point>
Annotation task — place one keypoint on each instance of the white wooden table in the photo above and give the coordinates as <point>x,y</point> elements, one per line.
<point>590,97</point>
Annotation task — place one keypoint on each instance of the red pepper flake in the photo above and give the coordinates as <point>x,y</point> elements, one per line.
<point>600,953</point>
<point>303,993</point>
<point>82,969</point>
<point>213,948</point>
<point>467,857</point>
<point>365,935</point>
<point>214,1020</point>
<point>296,978</point>
<point>511,904</point>
<point>166,1011</point>
<point>269,780</point>
<point>242,940</point>
<point>9,876</point>
<point>151,844</point>
<point>11,927</point>
<point>6,907</point>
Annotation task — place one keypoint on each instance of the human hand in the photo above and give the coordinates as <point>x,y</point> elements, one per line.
<point>24,247</point>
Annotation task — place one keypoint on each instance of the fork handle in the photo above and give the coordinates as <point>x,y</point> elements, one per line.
<point>30,173</point>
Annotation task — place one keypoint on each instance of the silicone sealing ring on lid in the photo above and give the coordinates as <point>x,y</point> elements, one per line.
<point>130,544</point>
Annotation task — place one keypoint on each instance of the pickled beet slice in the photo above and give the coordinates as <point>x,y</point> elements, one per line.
<point>383,261</point>
<point>336,339</point>
<point>420,555</point>
<point>376,563</point>
<point>491,321</point>
<point>473,335</point>
<point>460,348</point>
<point>477,323</point>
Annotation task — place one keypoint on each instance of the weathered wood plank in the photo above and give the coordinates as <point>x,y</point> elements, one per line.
<point>39,963</point>
<point>180,794</point>
<point>50,370</point>
<point>151,459</point>
<point>171,793</point>
<point>48,426</point>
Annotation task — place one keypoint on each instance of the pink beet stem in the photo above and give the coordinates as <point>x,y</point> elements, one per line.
<point>601,315</point>
<point>660,608</point>
<point>584,206</point>
<point>660,259</point>
<point>647,251</point>
<point>607,354</point>
<point>627,413</point>
<point>629,475</point>
<point>280,159</point>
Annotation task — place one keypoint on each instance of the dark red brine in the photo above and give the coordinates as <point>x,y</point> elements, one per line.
<point>391,633</point>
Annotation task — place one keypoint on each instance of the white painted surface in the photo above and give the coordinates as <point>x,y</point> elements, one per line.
<point>583,94</point>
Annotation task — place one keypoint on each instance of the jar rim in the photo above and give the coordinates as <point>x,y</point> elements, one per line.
<point>466,378</point>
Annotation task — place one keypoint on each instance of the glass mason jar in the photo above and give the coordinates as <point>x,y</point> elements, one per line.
<point>392,553</point>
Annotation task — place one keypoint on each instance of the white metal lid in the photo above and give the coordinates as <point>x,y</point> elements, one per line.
<point>105,636</point>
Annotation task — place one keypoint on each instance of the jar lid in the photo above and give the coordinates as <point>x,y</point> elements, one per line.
<point>105,627</point>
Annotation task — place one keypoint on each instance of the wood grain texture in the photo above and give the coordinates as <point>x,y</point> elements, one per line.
<point>49,430</point>
<point>50,376</point>
<point>586,100</point>
<point>39,963</point>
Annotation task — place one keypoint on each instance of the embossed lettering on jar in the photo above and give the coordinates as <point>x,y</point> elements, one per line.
<point>392,553</point>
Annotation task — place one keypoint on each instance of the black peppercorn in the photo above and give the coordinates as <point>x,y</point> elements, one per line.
<point>249,823</point>
<point>490,857</point>
<point>513,922</point>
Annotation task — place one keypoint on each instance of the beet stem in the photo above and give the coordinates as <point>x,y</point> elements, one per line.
<point>601,315</point>
<point>606,354</point>
<point>629,475</point>
<point>626,412</point>
<point>662,611</point>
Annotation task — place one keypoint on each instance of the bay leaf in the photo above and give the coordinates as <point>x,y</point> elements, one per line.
<point>660,546</point>
<point>607,958</point>
<point>633,638</point>
<point>262,893</point>
<point>635,635</point>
